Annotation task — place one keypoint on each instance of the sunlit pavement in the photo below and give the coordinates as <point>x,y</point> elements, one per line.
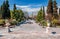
<point>29,31</point>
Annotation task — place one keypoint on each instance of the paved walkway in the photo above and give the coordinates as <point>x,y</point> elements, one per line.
<point>29,31</point>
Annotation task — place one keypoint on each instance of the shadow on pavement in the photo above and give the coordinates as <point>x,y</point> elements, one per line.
<point>1,35</point>
<point>23,22</point>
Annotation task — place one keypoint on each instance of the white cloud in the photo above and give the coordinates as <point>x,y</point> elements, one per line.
<point>29,9</point>
<point>22,6</point>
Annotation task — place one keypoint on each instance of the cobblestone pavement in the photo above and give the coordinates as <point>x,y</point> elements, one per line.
<point>29,31</point>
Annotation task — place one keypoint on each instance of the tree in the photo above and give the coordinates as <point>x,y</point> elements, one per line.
<point>14,11</point>
<point>55,14</point>
<point>3,9</point>
<point>14,8</point>
<point>18,14</point>
<point>6,11</point>
<point>50,10</point>
<point>43,12</point>
<point>11,13</point>
<point>0,13</point>
<point>40,15</point>
<point>21,15</point>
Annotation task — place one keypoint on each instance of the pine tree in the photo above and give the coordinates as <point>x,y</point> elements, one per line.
<point>21,15</point>
<point>40,15</point>
<point>3,9</point>
<point>55,14</point>
<point>6,11</point>
<point>43,12</point>
<point>17,14</point>
<point>14,11</point>
<point>0,13</point>
<point>50,10</point>
<point>14,8</point>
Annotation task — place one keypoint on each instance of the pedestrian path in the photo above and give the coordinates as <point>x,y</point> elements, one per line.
<point>28,31</point>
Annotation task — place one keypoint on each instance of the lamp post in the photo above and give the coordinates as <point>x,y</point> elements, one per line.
<point>48,26</point>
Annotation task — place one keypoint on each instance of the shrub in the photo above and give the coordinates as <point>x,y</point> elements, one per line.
<point>44,23</point>
<point>1,21</point>
<point>54,22</point>
<point>13,22</point>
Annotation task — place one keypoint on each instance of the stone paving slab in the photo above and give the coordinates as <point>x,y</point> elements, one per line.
<point>29,35</point>
<point>29,31</point>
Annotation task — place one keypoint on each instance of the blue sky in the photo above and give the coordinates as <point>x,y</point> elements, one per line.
<point>29,5</point>
<point>26,2</point>
<point>29,2</point>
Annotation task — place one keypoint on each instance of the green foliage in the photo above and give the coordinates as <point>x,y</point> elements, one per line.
<point>11,14</point>
<point>14,8</point>
<point>16,15</point>
<point>54,21</point>
<point>5,10</point>
<point>13,23</point>
<point>21,15</point>
<point>0,13</point>
<point>43,12</point>
<point>44,23</point>
<point>1,21</point>
<point>40,16</point>
<point>14,11</point>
